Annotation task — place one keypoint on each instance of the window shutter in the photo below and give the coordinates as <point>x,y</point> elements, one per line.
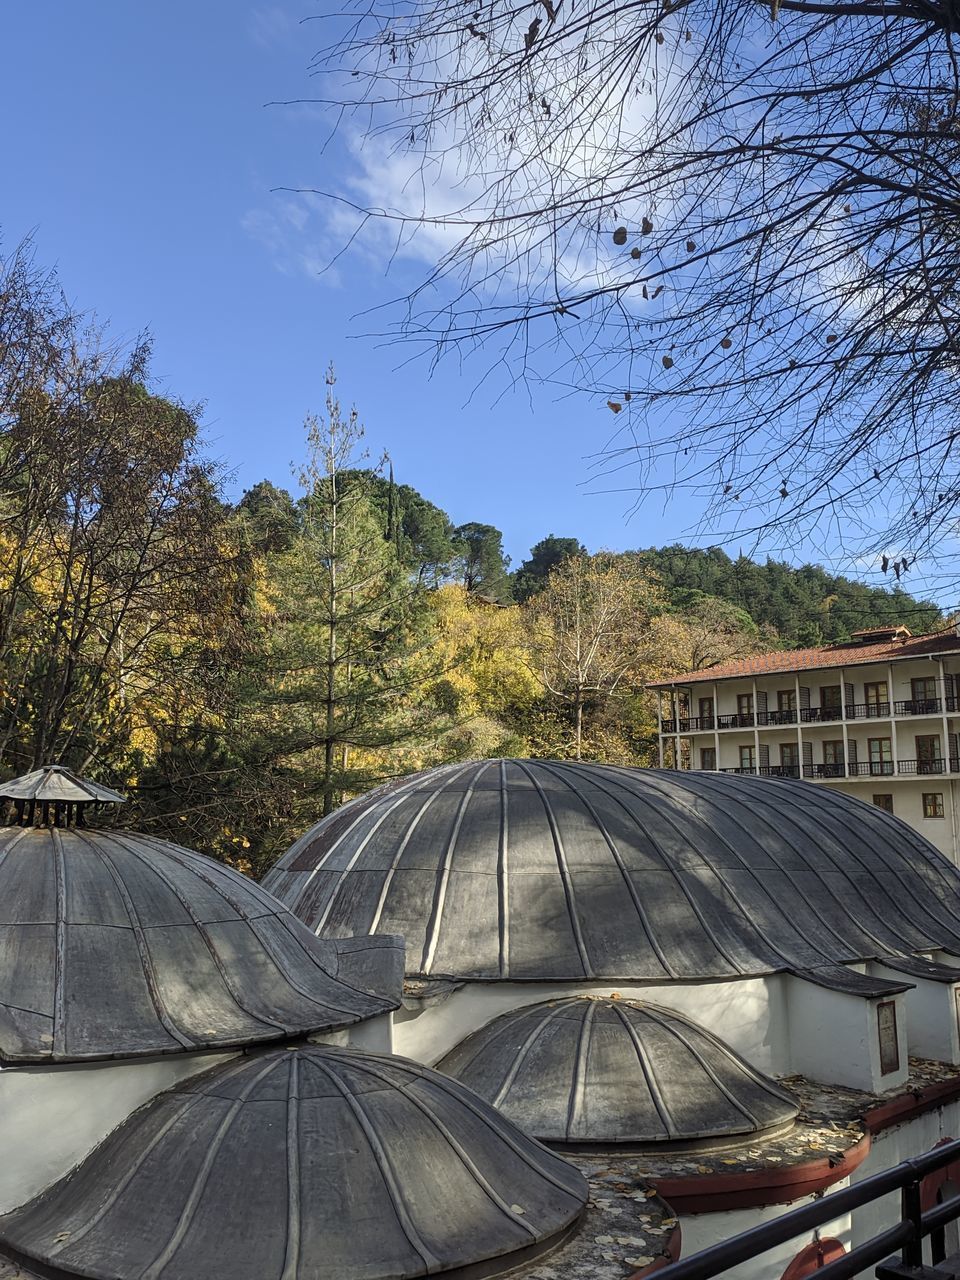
<point>807,758</point>
<point>761,707</point>
<point>764,756</point>
<point>851,751</point>
<point>953,763</point>
<point>848,698</point>
<point>804,698</point>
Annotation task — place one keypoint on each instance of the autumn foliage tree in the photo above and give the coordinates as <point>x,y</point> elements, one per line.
<point>587,631</point>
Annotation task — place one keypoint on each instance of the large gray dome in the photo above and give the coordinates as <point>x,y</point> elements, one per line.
<point>307,1164</point>
<point>528,869</point>
<point>114,945</point>
<point>616,1072</point>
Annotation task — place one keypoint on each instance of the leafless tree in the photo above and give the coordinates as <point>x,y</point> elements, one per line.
<point>736,223</point>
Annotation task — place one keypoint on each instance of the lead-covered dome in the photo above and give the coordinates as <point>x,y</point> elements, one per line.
<point>617,1073</point>
<point>529,869</point>
<point>312,1163</point>
<point>115,945</point>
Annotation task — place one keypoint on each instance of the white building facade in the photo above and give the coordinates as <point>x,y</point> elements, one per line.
<point>877,717</point>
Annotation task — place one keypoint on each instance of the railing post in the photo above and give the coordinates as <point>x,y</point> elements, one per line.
<point>912,1252</point>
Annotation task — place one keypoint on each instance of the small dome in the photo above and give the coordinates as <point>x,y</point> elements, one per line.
<point>312,1163</point>
<point>615,1072</point>
<point>114,945</point>
<point>560,870</point>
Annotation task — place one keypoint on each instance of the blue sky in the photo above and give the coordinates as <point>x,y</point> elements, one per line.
<point>140,153</point>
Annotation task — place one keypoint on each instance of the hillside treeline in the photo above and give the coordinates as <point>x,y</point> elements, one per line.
<point>239,668</point>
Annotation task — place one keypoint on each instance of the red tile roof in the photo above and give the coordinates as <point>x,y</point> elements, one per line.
<point>827,655</point>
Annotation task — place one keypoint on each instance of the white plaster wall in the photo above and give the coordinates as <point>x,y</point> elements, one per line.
<point>374,1035</point>
<point>699,1231</point>
<point>834,1037</point>
<point>749,1014</point>
<point>52,1116</point>
<point>932,1028</point>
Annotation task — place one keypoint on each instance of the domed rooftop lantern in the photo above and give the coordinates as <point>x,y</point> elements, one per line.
<point>55,796</point>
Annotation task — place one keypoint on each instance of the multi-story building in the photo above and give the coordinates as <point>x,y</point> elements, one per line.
<point>877,716</point>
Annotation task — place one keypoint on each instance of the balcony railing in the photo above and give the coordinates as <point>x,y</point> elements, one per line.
<point>918,707</point>
<point>814,715</point>
<point>780,771</point>
<point>928,766</point>
<point>729,769</point>
<point>868,710</point>
<point>736,722</point>
<point>871,769</point>
<point>817,715</point>
<point>824,770</point>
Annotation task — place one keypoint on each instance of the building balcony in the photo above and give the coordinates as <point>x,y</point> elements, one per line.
<point>919,707</point>
<point>871,769</point>
<point>820,715</point>
<point>952,765</point>
<point>824,770</point>
<point>814,715</point>
<point>779,771</point>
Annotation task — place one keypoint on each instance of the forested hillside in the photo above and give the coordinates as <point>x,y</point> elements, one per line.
<point>804,606</point>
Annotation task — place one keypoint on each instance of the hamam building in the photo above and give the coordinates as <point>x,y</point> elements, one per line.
<point>877,716</point>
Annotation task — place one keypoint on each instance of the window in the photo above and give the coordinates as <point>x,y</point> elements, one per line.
<point>830,697</point>
<point>745,707</point>
<point>884,802</point>
<point>875,696</point>
<point>887,1031</point>
<point>933,804</point>
<point>706,713</point>
<point>881,756</point>
<point>748,761</point>
<point>923,692</point>
<point>928,753</point>
<point>708,757</point>
<point>833,759</point>
<point>786,699</point>
<point>790,756</point>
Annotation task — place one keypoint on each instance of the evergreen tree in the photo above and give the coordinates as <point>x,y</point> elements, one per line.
<point>482,564</point>
<point>341,630</point>
<point>548,553</point>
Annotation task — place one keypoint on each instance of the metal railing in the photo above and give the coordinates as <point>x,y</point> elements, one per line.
<point>907,1235</point>
<point>918,707</point>
<point>824,770</point>
<point>868,710</point>
<point>780,771</point>
<point>921,766</point>
<point>818,715</point>
<point>871,769</point>
<point>814,715</point>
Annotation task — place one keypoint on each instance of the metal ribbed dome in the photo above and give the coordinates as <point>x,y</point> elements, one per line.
<point>610,1072</point>
<point>308,1164</point>
<point>113,945</point>
<point>560,870</point>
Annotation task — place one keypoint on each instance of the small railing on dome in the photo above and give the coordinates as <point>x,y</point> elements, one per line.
<point>907,1235</point>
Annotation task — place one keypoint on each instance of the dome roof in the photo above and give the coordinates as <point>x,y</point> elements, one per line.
<point>114,944</point>
<point>611,1072</point>
<point>313,1162</point>
<point>562,870</point>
